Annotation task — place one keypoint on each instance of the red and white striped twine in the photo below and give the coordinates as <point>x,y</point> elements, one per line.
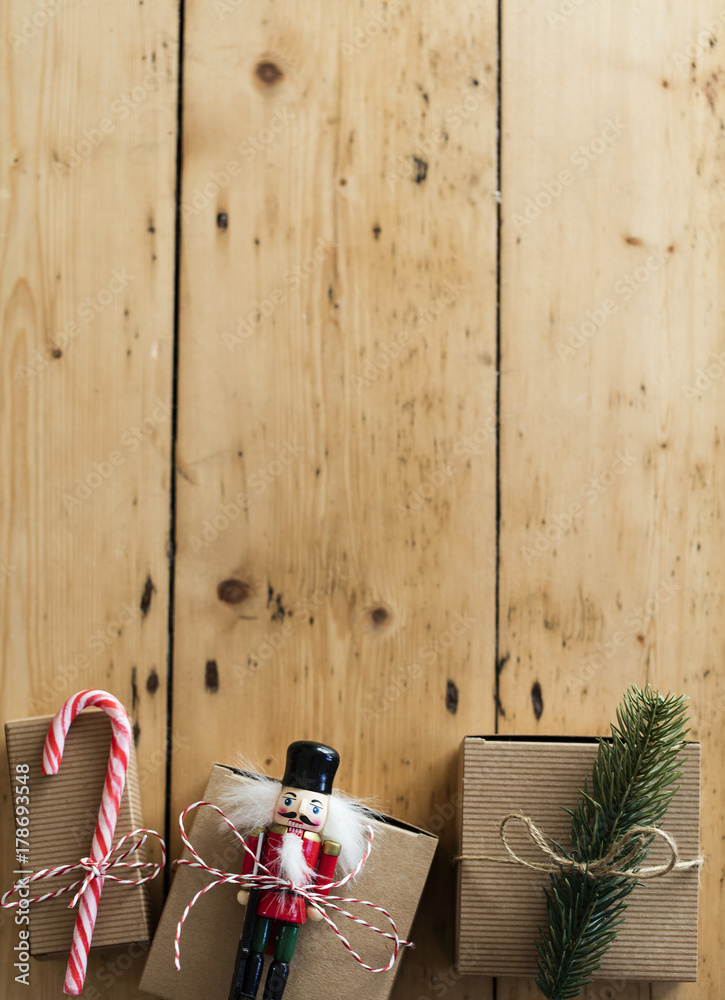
<point>267,880</point>
<point>107,814</point>
<point>95,869</point>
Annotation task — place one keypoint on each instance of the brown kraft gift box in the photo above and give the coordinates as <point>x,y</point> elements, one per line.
<point>62,817</point>
<point>393,877</point>
<point>500,906</point>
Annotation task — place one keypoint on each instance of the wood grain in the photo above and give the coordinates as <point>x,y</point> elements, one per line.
<point>86,297</point>
<point>336,507</point>
<point>336,515</point>
<point>611,529</point>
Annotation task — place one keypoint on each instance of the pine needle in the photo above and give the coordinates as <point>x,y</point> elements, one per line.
<point>631,785</point>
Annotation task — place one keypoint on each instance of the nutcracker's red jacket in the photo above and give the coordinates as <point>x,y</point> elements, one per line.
<point>320,855</point>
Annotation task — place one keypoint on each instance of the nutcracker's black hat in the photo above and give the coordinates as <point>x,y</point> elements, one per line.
<point>311,765</point>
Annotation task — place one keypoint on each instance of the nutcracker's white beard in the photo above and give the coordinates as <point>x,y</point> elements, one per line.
<point>292,863</point>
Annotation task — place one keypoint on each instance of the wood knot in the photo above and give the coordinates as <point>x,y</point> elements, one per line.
<point>379,616</point>
<point>148,590</point>
<point>268,72</point>
<point>537,699</point>
<point>211,676</point>
<point>452,697</point>
<point>233,591</point>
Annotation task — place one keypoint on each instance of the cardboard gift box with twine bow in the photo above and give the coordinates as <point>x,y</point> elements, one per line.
<point>501,902</point>
<point>78,826</point>
<point>194,949</point>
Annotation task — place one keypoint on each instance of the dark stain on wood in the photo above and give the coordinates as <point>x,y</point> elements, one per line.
<point>377,231</point>
<point>148,590</point>
<point>537,699</point>
<point>503,660</point>
<point>233,591</point>
<point>634,241</point>
<point>211,676</point>
<point>134,689</point>
<point>421,170</point>
<point>222,221</point>
<point>278,610</point>
<point>268,72</point>
<point>136,733</point>
<point>152,682</point>
<point>56,352</point>
<point>451,697</point>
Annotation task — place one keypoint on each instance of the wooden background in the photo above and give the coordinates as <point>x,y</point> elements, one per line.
<point>411,458</point>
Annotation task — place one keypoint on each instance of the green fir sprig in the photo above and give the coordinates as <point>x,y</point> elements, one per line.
<point>631,786</point>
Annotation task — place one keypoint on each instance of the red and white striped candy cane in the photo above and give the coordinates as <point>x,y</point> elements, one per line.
<point>107,815</point>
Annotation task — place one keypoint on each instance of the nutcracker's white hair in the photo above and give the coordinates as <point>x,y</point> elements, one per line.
<point>347,823</point>
<point>248,799</point>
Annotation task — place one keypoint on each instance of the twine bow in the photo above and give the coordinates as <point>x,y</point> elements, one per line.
<point>613,863</point>
<point>266,879</point>
<point>94,868</point>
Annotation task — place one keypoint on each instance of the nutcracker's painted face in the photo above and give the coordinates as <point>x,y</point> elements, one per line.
<point>300,809</point>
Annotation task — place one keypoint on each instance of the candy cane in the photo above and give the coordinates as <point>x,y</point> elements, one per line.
<point>107,815</point>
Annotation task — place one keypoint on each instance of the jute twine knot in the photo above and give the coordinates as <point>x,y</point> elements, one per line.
<point>613,862</point>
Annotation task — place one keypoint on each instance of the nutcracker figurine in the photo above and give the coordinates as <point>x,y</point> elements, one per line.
<point>283,824</point>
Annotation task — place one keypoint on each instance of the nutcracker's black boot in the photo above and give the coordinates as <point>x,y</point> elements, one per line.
<point>252,975</point>
<point>276,980</point>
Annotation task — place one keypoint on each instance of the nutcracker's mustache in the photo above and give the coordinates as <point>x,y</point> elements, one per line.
<point>302,818</point>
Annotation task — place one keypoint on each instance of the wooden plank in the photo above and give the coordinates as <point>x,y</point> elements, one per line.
<point>612,253</point>
<point>86,297</point>
<point>336,506</point>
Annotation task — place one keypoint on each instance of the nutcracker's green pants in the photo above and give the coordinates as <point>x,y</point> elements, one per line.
<point>284,945</point>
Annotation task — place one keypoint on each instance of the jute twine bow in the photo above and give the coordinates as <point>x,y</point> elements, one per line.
<point>613,862</point>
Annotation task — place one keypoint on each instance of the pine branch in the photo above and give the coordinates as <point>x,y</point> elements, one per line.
<point>631,786</point>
